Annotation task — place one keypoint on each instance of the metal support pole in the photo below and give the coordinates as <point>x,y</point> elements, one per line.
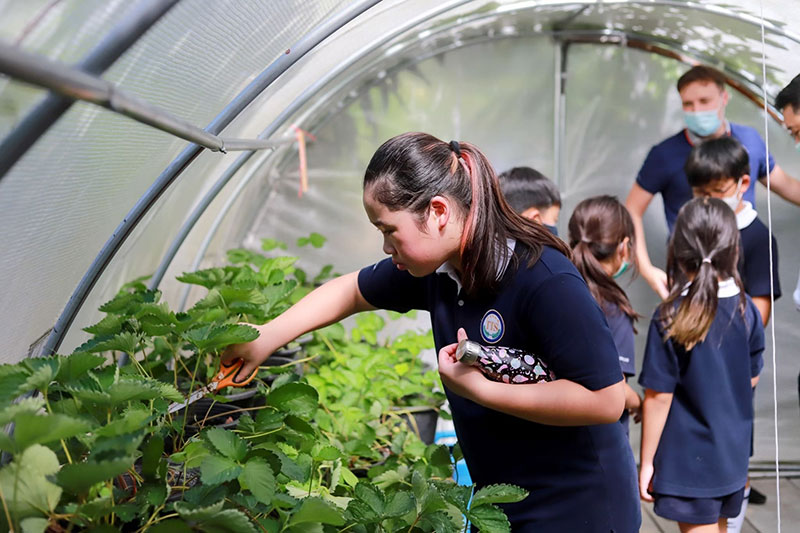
<point>78,85</point>
<point>131,27</point>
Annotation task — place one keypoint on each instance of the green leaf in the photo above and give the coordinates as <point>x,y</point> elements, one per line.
<point>227,443</point>
<point>126,390</point>
<point>215,470</point>
<point>271,244</point>
<point>489,518</point>
<point>458,495</point>
<point>314,509</point>
<point>34,525</point>
<point>209,339</point>
<point>214,519</point>
<point>24,482</point>
<point>399,504</point>
<point>170,393</point>
<point>438,454</point>
<point>79,477</point>
<point>43,372</point>
<point>317,240</point>
<point>228,521</point>
<point>258,478</point>
<point>296,398</point>
<point>325,453</point>
<point>12,378</point>
<point>123,342</point>
<point>372,496</point>
<point>152,452</point>
<point>40,429</point>
<point>126,303</point>
<point>501,493</point>
<point>109,325</point>
<point>132,419</point>
<point>75,366</point>
<point>112,447</point>
<point>27,406</point>
<point>173,525</point>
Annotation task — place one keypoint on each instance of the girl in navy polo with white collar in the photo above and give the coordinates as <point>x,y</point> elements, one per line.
<point>703,355</point>
<point>459,251</point>
<point>601,236</point>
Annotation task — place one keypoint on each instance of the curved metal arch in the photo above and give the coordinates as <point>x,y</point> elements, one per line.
<point>125,34</point>
<point>180,163</point>
<point>735,79</point>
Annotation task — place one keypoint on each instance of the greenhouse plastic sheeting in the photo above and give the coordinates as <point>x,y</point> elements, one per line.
<point>487,72</point>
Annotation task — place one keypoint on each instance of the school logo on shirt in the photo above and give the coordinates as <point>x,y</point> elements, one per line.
<point>492,326</point>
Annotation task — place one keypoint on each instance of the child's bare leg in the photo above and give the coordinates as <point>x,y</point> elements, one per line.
<point>719,527</point>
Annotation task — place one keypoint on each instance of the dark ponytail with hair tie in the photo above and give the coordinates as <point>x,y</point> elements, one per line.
<point>705,234</point>
<point>596,228</point>
<point>408,170</point>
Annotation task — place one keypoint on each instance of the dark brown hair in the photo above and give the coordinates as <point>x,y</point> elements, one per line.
<point>701,73</point>
<point>525,187</point>
<point>704,247</point>
<point>716,159</point>
<point>408,170</point>
<point>596,228</point>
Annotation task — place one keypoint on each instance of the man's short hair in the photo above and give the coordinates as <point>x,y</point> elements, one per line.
<point>702,73</point>
<point>524,187</point>
<point>789,95</point>
<point>716,159</point>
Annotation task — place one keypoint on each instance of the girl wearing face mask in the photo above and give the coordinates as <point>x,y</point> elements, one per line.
<point>601,236</point>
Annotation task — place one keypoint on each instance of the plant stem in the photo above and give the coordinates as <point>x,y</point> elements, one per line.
<point>5,510</point>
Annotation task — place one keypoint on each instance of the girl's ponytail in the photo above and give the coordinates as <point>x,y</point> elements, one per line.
<point>408,170</point>
<point>596,228</point>
<point>704,247</point>
<point>697,309</point>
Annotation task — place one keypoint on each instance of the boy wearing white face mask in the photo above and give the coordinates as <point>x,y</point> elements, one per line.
<point>719,168</point>
<point>704,99</point>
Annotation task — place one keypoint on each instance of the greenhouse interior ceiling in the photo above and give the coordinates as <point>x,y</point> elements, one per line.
<point>149,137</point>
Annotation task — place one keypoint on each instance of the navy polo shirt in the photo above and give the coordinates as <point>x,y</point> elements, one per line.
<point>754,256</point>
<point>580,478</point>
<point>662,171</point>
<point>621,327</point>
<point>705,446</point>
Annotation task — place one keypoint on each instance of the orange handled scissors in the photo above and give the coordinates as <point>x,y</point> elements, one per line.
<point>224,378</point>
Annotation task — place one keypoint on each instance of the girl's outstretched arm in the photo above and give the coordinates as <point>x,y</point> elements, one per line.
<point>333,301</point>
<point>655,409</point>
<point>556,403</point>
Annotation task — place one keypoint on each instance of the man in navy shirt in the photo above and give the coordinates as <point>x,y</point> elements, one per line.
<point>703,97</point>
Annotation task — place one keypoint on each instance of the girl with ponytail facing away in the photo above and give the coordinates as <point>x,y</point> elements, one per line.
<point>460,252</point>
<point>703,356</point>
<point>601,236</point>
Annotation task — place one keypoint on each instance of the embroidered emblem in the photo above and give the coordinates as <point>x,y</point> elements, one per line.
<point>492,326</point>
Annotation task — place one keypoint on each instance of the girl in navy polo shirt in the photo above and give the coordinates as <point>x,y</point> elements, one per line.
<point>459,251</point>
<point>601,236</point>
<point>703,356</point>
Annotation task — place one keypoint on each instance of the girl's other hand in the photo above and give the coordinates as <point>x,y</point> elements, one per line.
<point>464,380</point>
<point>646,482</point>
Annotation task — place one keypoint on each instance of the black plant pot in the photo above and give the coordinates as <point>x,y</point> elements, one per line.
<point>422,422</point>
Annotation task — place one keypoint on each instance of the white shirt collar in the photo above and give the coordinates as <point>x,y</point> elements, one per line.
<point>502,265</point>
<point>725,289</point>
<point>746,216</point>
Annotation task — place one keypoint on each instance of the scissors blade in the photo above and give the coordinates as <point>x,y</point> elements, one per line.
<point>177,406</point>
